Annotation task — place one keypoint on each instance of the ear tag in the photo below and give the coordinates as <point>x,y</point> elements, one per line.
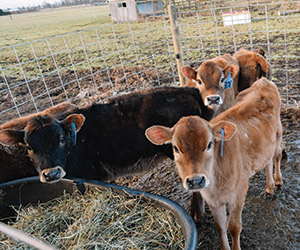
<point>73,134</point>
<point>228,81</point>
<point>222,142</point>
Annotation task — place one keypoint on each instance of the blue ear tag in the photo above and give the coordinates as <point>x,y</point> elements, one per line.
<point>73,134</point>
<point>228,81</point>
<point>222,142</point>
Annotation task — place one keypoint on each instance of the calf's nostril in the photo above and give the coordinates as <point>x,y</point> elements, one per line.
<point>190,183</point>
<point>201,182</point>
<point>47,176</point>
<point>52,175</point>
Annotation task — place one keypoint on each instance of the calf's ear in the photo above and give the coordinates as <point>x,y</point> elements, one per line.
<point>262,62</point>
<point>189,72</point>
<point>260,51</point>
<point>159,135</point>
<point>78,120</point>
<point>228,128</point>
<point>234,69</point>
<point>11,136</point>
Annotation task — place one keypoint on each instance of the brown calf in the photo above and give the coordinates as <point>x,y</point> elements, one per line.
<point>253,66</point>
<point>212,78</point>
<point>218,157</point>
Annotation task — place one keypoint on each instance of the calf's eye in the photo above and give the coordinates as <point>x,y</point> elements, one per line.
<point>209,145</point>
<point>176,149</point>
<point>199,81</point>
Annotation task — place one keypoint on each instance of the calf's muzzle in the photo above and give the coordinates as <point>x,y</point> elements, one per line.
<point>51,175</point>
<point>196,182</point>
<point>213,100</point>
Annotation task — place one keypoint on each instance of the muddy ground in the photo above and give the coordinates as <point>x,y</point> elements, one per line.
<point>269,222</point>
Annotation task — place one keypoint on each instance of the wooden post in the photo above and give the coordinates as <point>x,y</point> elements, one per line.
<point>176,40</point>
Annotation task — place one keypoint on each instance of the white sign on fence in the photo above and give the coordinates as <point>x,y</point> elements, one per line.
<point>236,17</point>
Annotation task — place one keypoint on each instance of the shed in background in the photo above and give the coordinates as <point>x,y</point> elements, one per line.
<point>131,10</point>
<point>236,17</point>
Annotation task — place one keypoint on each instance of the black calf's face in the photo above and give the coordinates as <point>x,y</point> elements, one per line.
<point>48,142</point>
<point>48,148</point>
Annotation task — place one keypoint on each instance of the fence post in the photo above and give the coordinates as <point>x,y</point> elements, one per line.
<point>176,41</point>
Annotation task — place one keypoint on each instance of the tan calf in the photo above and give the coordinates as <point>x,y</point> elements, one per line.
<point>220,168</point>
<point>253,66</point>
<point>212,78</point>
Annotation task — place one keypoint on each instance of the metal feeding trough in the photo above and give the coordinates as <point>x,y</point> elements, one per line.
<point>31,190</point>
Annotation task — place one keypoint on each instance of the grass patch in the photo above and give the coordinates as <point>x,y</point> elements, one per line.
<point>27,27</point>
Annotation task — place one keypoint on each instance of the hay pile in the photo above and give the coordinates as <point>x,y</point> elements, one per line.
<point>98,220</point>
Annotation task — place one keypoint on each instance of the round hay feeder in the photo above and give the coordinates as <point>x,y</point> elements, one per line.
<point>32,191</point>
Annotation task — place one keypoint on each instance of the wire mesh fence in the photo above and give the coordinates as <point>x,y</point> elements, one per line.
<point>274,27</point>
<point>115,58</point>
<point>187,5</point>
<point>99,62</point>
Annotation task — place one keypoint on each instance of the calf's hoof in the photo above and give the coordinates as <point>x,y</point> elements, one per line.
<point>270,190</point>
<point>284,154</point>
<point>278,182</point>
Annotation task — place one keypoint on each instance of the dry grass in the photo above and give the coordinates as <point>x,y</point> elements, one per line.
<point>98,220</point>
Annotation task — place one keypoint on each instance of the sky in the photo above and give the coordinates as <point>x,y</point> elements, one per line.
<point>4,4</point>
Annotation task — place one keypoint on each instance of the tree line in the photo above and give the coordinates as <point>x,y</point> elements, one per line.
<point>46,5</point>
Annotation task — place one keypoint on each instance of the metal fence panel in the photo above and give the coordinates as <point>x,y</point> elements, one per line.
<point>97,63</point>
<point>274,27</point>
<point>111,59</point>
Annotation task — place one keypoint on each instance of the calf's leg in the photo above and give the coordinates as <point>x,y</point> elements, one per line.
<point>220,218</point>
<point>197,207</point>
<point>235,221</point>
<point>277,160</point>
<point>269,178</point>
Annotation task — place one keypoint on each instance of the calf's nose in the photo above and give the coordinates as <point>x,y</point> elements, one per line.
<point>213,99</point>
<point>197,182</point>
<point>52,175</point>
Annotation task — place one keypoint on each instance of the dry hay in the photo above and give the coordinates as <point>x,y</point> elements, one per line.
<point>98,220</point>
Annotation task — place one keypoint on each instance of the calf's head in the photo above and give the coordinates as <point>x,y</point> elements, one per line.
<point>48,142</point>
<point>210,79</point>
<point>194,142</point>
<point>253,66</point>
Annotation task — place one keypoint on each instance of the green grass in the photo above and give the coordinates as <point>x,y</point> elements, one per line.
<point>50,22</point>
<point>34,26</point>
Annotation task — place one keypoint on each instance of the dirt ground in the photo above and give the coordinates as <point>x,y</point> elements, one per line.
<point>269,222</point>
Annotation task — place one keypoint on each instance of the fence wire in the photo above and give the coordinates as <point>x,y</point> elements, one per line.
<point>111,59</point>
<point>274,27</point>
<point>97,63</point>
